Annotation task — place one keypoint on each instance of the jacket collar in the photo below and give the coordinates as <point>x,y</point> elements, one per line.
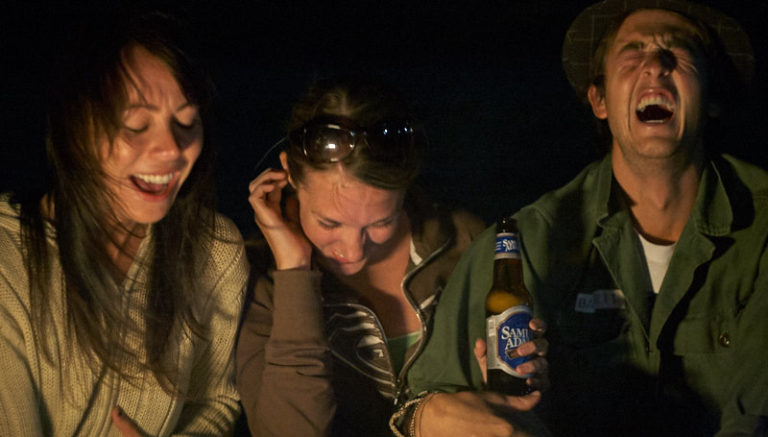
<point>431,227</point>
<point>712,212</point>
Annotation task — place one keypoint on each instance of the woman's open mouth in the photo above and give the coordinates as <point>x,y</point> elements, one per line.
<point>153,184</point>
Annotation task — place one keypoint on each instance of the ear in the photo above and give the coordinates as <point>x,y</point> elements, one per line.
<point>597,101</point>
<point>284,164</point>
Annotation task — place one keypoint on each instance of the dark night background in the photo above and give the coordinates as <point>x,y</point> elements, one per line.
<point>504,125</point>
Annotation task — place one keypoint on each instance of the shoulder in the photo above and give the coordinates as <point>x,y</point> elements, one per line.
<point>479,254</point>
<point>752,177</point>
<point>11,253</point>
<point>560,224</point>
<point>581,191</point>
<point>14,288</point>
<point>435,227</point>
<point>227,237</point>
<point>226,230</point>
<point>9,214</point>
<point>468,226</point>
<point>740,188</point>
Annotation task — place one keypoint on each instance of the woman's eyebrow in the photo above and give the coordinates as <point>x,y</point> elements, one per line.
<point>146,105</point>
<point>324,218</point>
<point>141,105</point>
<point>386,219</point>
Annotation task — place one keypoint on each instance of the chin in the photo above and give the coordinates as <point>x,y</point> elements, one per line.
<point>347,269</point>
<point>662,148</point>
<point>149,216</point>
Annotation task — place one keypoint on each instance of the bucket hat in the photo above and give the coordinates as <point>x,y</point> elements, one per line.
<point>589,27</point>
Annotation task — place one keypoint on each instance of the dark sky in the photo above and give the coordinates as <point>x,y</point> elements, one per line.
<point>503,123</point>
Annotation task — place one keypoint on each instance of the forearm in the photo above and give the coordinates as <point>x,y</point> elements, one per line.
<point>284,369</point>
<point>475,413</point>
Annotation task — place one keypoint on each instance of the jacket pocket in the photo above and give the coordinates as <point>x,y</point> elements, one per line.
<point>584,328</point>
<point>704,334</point>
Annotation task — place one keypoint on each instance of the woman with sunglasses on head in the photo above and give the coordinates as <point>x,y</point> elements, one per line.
<point>359,259</point>
<point>120,287</point>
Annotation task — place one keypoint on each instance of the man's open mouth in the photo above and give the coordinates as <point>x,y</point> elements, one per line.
<point>655,109</point>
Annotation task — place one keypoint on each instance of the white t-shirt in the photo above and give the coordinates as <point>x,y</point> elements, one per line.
<point>657,256</point>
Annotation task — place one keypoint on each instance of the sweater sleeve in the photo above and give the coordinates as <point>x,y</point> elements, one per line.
<point>283,358</point>
<point>19,404</point>
<point>211,407</point>
<point>19,410</point>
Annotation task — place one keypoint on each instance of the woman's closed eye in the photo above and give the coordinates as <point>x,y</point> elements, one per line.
<point>135,119</point>
<point>328,224</point>
<point>187,117</point>
<point>136,128</point>
<point>188,124</point>
<point>384,223</point>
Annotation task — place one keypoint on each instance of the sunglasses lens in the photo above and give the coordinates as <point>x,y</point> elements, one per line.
<point>332,141</point>
<point>328,143</point>
<point>392,140</point>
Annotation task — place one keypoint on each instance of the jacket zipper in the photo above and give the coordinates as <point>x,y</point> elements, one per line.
<point>400,379</point>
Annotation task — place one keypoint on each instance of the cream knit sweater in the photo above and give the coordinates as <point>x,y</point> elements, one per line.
<point>42,397</point>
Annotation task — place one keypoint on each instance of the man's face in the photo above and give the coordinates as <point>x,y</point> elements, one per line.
<point>654,87</point>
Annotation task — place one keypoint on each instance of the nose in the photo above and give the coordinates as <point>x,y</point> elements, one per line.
<point>660,62</point>
<point>352,248</point>
<point>166,145</point>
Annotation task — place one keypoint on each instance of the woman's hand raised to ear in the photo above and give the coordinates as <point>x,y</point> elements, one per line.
<point>281,229</point>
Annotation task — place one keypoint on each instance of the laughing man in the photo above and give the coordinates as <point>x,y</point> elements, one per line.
<point>651,266</point>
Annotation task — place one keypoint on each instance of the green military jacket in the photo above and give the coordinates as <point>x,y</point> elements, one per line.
<point>691,361</point>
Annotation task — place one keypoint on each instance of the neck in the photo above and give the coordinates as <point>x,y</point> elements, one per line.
<point>660,193</point>
<point>123,245</point>
<point>378,285</point>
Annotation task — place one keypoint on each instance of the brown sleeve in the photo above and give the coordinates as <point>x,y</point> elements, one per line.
<point>283,361</point>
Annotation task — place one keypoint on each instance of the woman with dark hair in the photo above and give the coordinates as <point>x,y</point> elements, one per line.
<point>121,287</point>
<point>359,259</point>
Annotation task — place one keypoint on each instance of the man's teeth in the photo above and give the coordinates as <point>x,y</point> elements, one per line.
<point>155,179</point>
<point>656,100</point>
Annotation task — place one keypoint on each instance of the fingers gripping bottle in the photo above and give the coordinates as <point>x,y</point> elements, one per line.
<point>508,308</point>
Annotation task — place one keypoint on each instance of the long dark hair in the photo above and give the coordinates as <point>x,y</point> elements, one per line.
<point>86,104</point>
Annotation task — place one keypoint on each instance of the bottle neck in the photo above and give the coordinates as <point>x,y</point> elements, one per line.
<point>506,265</point>
<point>507,272</point>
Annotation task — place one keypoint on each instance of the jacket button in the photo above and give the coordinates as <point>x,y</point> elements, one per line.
<point>724,339</point>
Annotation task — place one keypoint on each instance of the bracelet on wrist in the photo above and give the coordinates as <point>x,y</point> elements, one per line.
<point>413,407</point>
<point>414,428</point>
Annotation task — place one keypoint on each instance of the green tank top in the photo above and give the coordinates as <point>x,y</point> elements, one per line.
<point>398,346</point>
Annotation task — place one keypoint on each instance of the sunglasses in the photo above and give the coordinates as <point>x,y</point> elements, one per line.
<point>331,139</point>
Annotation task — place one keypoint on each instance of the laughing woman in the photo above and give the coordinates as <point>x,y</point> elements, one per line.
<point>359,259</point>
<point>120,287</point>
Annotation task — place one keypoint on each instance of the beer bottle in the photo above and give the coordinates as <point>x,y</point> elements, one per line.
<point>508,309</point>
